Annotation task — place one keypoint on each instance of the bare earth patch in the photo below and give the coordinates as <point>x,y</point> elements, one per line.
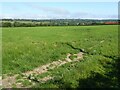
<point>11,80</point>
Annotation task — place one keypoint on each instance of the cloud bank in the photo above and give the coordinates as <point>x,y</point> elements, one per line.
<point>45,12</point>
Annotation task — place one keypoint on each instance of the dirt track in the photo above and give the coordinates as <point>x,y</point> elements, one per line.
<point>11,80</point>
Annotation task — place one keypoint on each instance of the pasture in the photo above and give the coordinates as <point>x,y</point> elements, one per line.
<point>26,48</point>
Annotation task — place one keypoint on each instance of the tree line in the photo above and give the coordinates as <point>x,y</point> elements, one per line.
<point>57,22</point>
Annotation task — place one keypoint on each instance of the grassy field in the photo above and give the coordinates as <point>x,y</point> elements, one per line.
<point>25,48</point>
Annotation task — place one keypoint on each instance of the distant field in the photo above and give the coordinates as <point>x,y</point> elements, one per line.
<point>25,48</point>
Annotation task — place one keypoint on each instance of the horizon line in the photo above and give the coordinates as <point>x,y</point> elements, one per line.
<point>64,18</point>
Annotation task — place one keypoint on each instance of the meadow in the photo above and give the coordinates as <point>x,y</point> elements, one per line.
<point>25,48</point>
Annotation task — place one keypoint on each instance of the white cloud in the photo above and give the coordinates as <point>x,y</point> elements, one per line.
<point>51,16</point>
<point>85,15</point>
<point>52,10</point>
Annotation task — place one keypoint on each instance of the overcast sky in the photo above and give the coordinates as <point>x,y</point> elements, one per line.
<point>60,10</point>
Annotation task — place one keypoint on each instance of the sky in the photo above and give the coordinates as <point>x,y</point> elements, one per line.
<point>59,10</point>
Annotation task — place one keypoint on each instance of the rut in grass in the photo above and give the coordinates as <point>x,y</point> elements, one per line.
<point>10,81</point>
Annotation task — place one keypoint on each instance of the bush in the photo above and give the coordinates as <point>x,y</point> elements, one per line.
<point>6,24</point>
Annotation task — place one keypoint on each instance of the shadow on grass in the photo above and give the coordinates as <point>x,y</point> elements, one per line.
<point>109,80</point>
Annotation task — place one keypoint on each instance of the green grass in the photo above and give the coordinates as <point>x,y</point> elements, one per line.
<point>94,72</point>
<point>25,48</point>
